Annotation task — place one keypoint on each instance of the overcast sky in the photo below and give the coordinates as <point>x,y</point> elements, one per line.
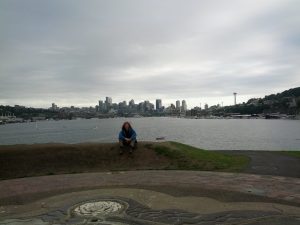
<point>77,52</point>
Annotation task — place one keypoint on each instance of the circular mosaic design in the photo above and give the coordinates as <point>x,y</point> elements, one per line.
<point>98,208</point>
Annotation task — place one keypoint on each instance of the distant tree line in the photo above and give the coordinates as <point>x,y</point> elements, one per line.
<point>26,113</point>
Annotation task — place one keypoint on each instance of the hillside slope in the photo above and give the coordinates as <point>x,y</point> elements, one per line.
<point>48,159</point>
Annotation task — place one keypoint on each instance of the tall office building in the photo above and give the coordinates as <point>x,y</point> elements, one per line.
<point>101,106</point>
<point>108,103</point>
<point>131,103</point>
<point>158,104</point>
<point>108,100</point>
<point>178,104</point>
<point>183,105</point>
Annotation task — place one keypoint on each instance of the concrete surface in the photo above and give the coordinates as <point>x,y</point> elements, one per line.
<point>150,197</point>
<point>270,163</point>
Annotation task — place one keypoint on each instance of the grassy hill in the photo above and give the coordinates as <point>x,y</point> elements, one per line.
<point>285,102</point>
<point>48,159</point>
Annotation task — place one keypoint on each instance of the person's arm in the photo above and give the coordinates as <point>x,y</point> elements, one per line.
<point>121,136</point>
<point>133,134</point>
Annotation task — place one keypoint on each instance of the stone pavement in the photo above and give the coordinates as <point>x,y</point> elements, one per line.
<point>269,163</point>
<point>150,197</point>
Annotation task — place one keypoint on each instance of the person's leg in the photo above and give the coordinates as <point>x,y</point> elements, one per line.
<point>121,144</point>
<point>132,145</point>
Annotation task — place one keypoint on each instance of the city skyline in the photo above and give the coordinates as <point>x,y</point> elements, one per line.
<point>202,51</point>
<point>195,102</point>
<point>281,105</point>
<point>235,99</point>
<point>157,104</point>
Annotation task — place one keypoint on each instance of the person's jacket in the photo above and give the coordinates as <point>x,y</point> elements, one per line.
<point>132,134</point>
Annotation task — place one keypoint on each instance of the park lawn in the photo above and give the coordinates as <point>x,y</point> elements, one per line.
<point>49,159</point>
<point>185,157</point>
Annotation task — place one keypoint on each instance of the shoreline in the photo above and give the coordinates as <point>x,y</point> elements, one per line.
<point>296,150</point>
<point>237,117</point>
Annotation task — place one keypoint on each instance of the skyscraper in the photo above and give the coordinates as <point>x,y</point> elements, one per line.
<point>108,100</point>
<point>148,106</point>
<point>108,103</point>
<point>101,106</point>
<point>131,103</point>
<point>158,104</point>
<point>178,105</point>
<point>184,106</point>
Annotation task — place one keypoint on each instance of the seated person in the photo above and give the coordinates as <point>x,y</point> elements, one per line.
<point>127,137</point>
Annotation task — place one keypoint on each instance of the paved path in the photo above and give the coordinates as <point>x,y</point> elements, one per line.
<point>150,197</point>
<point>282,188</point>
<point>270,163</point>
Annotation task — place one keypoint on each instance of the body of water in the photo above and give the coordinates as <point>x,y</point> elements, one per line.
<point>209,134</point>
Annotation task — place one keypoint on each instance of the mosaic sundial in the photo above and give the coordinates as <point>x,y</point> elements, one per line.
<point>98,208</point>
<point>125,211</point>
<point>100,211</point>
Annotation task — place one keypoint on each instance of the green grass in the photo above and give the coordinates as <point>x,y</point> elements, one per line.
<point>50,159</point>
<point>291,153</point>
<point>185,157</point>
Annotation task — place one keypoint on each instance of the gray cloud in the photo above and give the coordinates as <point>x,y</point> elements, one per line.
<point>76,52</point>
